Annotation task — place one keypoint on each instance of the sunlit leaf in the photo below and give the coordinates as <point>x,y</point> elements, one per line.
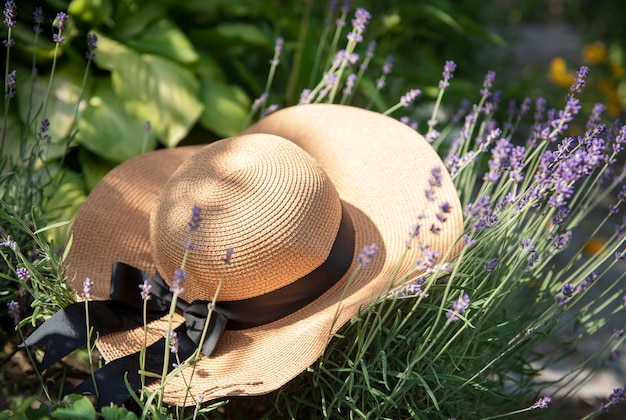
<point>152,88</point>
<point>165,38</point>
<point>225,107</point>
<point>94,167</point>
<point>107,130</point>
<point>93,11</point>
<point>61,108</point>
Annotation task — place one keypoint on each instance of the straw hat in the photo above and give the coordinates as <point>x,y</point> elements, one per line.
<point>278,195</point>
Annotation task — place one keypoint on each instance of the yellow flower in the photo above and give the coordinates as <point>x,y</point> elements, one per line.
<point>595,53</point>
<point>558,73</point>
<point>617,69</point>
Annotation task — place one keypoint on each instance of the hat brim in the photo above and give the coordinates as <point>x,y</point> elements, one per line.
<point>380,168</point>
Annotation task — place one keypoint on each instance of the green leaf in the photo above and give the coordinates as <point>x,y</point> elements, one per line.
<point>107,130</point>
<point>153,89</point>
<point>94,12</point>
<point>117,413</point>
<point>94,167</point>
<point>64,202</point>
<point>129,23</point>
<point>78,407</point>
<point>225,107</point>
<point>166,39</point>
<point>64,94</point>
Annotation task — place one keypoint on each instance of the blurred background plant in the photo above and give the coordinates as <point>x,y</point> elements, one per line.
<point>168,73</point>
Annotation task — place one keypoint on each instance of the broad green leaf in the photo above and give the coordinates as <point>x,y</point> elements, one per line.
<point>117,413</point>
<point>152,88</point>
<point>65,92</point>
<point>225,107</point>
<point>107,130</point>
<point>129,23</point>
<point>166,39</point>
<point>94,167</point>
<point>65,201</point>
<point>93,11</point>
<point>79,408</point>
<point>234,34</point>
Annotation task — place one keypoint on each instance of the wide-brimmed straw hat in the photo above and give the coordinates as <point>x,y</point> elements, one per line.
<point>281,216</point>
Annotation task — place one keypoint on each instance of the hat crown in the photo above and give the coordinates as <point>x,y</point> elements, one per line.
<point>261,195</point>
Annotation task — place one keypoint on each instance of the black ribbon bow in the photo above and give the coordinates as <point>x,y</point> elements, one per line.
<point>66,330</point>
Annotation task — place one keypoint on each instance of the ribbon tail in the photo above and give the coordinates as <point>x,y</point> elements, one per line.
<point>195,325</point>
<point>109,380</point>
<point>66,330</point>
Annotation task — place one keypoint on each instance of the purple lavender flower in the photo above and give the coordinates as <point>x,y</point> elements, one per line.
<point>410,97</point>
<point>411,289</point>
<point>435,229</point>
<point>491,265</point>
<point>587,281</point>
<point>359,23</point>
<point>580,82</point>
<point>407,121</point>
<point>59,24</point>
<point>195,220</point>
<point>614,355</point>
<point>458,307</point>
<point>146,288</point>
<point>269,110</point>
<point>490,77</point>
<point>278,48</point>
<point>388,65</point>
<point>366,255</point>
<point>87,288</point>
<point>448,73</point>
<point>43,129</point>
<point>258,102</point>
<point>481,214</point>
<point>429,258</point>
<point>347,90</point>
<point>23,274</point>
<point>178,285</point>
<point>38,18</point>
<point>92,44</point>
<point>305,97</point>
<point>9,243</point>
<point>14,311</point>
<point>11,84</point>
<point>173,340</point>
<point>618,333</point>
<point>369,53</point>
<point>542,402</point>
<point>614,398</point>
<point>10,13</point>
<point>468,241</point>
<point>227,258</point>
<point>330,11</point>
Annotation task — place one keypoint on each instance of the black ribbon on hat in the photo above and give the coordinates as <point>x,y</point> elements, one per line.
<point>66,330</point>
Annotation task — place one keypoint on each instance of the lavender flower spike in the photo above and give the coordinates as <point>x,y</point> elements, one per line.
<point>178,285</point>
<point>448,73</point>
<point>458,307</point>
<point>23,274</point>
<point>409,97</point>
<point>227,259</point>
<point>365,256</point>
<point>145,290</point>
<point>195,220</point>
<point>14,311</point>
<point>10,13</point>
<point>360,21</point>
<point>11,84</point>
<point>87,288</point>
<point>542,402</point>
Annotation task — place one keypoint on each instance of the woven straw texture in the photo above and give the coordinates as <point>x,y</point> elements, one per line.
<point>379,168</point>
